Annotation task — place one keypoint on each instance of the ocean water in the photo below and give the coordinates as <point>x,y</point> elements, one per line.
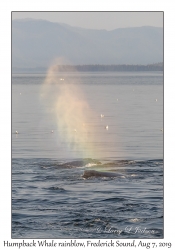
<point>58,133</point>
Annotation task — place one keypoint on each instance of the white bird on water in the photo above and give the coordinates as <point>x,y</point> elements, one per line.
<point>16,132</point>
<point>156,100</point>
<point>52,131</point>
<point>106,127</point>
<point>102,115</point>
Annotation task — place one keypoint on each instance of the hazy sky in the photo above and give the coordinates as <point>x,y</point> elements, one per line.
<point>98,20</point>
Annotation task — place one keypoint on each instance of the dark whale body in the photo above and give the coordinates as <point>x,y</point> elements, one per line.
<point>90,173</point>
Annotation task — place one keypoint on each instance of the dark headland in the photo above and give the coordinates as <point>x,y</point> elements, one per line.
<point>93,68</point>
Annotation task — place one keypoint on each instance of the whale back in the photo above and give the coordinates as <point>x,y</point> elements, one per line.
<point>90,173</point>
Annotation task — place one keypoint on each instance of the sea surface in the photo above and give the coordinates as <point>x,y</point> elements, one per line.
<point>65,124</point>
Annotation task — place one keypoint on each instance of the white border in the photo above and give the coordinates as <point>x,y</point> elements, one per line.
<point>5,93</point>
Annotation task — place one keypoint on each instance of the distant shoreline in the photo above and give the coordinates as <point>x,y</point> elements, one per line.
<point>93,68</point>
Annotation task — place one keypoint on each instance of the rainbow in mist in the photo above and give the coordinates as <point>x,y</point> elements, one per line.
<point>72,112</point>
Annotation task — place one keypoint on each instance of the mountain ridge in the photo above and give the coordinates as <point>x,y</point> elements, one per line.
<point>36,43</point>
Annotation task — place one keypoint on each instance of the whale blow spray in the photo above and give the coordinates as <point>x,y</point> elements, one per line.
<point>72,112</point>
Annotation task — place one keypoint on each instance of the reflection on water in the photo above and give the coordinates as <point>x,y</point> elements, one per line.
<point>127,101</point>
<point>119,136</point>
<point>52,199</point>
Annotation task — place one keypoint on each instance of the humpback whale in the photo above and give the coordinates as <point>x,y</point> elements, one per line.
<point>90,173</point>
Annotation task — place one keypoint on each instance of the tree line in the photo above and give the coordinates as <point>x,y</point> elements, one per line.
<point>98,67</point>
<point>94,68</point>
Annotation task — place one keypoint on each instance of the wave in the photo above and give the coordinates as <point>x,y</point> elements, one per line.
<point>84,161</point>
